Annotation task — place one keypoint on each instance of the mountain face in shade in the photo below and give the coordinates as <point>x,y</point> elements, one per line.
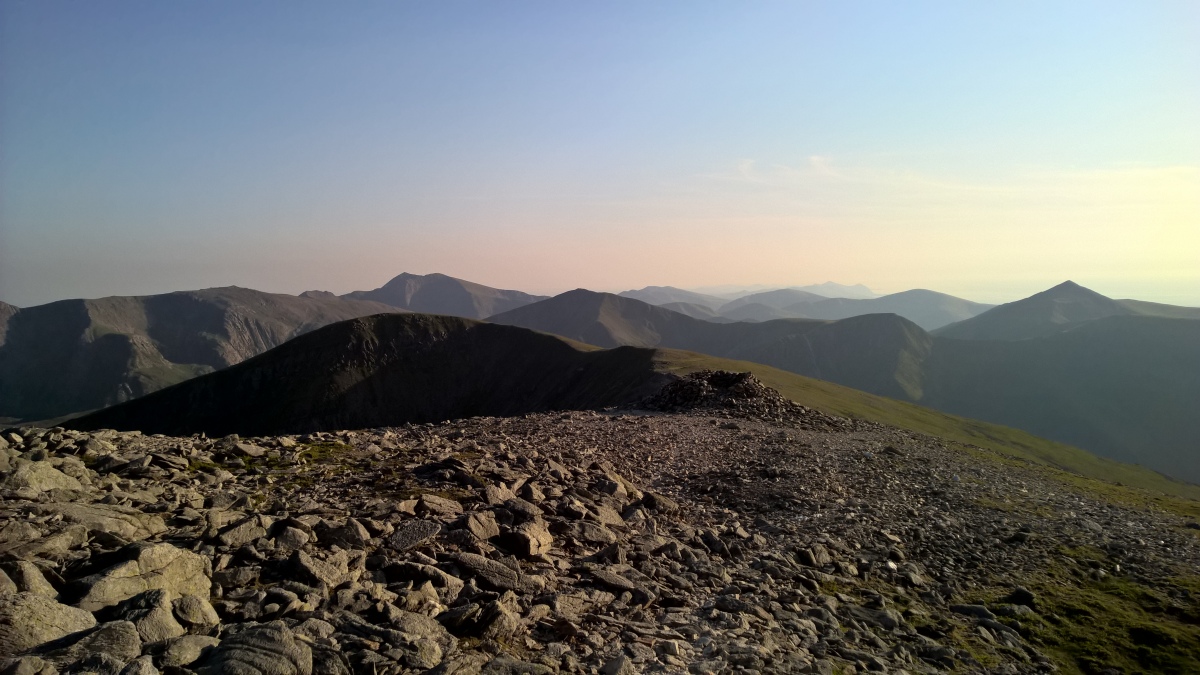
<point>696,311</point>
<point>1123,386</point>
<point>665,295</point>
<point>777,299</point>
<point>876,353</point>
<point>440,294</point>
<point>927,309</point>
<point>1038,315</point>
<point>387,370</point>
<point>75,355</point>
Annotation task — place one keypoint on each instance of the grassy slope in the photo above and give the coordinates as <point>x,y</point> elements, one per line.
<point>839,400</point>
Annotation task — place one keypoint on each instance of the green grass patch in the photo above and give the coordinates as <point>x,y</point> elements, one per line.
<point>1089,624</point>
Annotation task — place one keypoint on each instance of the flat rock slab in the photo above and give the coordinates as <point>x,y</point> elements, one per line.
<point>123,521</point>
<point>265,649</point>
<point>38,476</point>
<point>412,533</point>
<point>492,573</point>
<point>147,567</point>
<point>29,619</point>
<point>114,643</point>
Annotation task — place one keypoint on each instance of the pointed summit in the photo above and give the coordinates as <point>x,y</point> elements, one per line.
<point>441,294</point>
<point>1051,311</point>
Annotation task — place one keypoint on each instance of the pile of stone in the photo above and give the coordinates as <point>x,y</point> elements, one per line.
<point>739,395</point>
<point>574,542</point>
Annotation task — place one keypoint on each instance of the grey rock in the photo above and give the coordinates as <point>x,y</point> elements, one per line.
<point>110,644</point>
<point>128,523</point>
<point>439,506</point>
<point>151,614</point>
<point>977,611</point>
<point>27,665</point>
<point>492,573</point>
<point>265,649</point>
<point>186,650</point>
<point>348,536</point>
<point>6,584</point>
<point>532,538</point>
<point>195,612</point>
<point>482,524</point>
<point>619,665</point>
<point>146,567</point>
<point>29,619</point>
<point>291,538</point>
<point>29,579</point>
<point>143,665</point>
<point>333,571</point>
<point>413,533</point>
<point>242,533</point>
<point>38,477</point>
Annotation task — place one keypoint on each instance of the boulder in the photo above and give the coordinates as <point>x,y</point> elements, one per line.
<point>125,522</point>
<point>38,477</point>
<point>263,649</point>
<point>102,648</point>
<point>412,533</point>
<point>146,567</point>
<point>29,619</point>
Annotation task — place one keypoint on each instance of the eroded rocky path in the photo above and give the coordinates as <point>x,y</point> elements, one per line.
<point>721,529</point>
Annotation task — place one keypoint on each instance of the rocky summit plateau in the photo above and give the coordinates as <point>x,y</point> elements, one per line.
<point>714,527</point>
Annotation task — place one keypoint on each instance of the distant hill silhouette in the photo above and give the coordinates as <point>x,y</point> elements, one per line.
<point>441,294</point>
<point>777,299</point>
<point>875,353</point>
<point>386,370</point>
<point>664,295</point>
<point>73,355</point>
<point>927,309</point>
<point>696,311</point>
<point>1038,315</point>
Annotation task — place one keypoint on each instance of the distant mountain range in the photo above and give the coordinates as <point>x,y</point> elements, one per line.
<point>874,353</point>
<point>1113,376</point>
<point>76,355</point>
<point>1124,385</point>
<point>928,309</point>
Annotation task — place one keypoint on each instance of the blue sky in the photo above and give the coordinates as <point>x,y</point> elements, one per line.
<point>986,151</point>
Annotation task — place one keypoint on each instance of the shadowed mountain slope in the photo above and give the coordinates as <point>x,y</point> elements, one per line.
<point>696,311</point>
<point>440,294</point>
<point>878,353</point>
<point>1039,315</point>
<point>778,299</point>
<point>664,295</point>
<point>927,309</point>
<point>1125,387</point>
<point>388,370</point>
<point>75,355</point>
<point>1142,308</point>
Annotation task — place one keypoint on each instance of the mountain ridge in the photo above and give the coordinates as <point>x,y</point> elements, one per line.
<point>442,294</point>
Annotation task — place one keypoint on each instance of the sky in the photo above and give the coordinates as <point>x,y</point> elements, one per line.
<point>987,150</point>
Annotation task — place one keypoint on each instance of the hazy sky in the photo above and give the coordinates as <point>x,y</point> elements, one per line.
<point>989,150</point>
